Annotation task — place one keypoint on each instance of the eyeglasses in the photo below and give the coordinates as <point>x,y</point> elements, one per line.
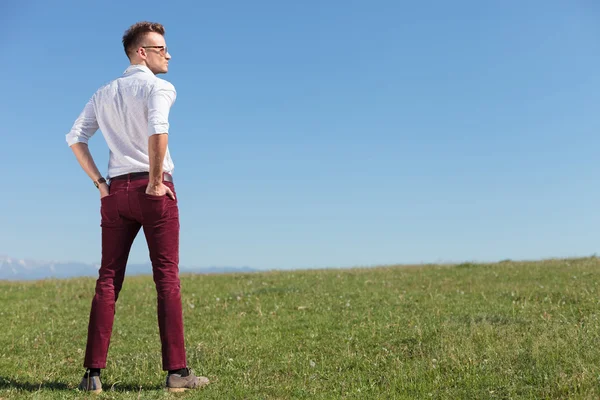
<point>163,49</point>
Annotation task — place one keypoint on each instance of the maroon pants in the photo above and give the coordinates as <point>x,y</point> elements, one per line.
<point>127,209</point>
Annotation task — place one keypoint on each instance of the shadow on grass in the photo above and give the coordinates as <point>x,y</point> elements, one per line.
<point>128,387</point>
<point>6,383</point>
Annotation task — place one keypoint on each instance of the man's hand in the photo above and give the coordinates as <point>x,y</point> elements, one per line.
<point>159,190</point>
<point>104,190</point>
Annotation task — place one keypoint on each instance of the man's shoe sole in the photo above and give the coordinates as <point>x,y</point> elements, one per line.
<point>176,390</point>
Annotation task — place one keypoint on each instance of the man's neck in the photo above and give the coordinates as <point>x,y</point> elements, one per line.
<point>141,64</point>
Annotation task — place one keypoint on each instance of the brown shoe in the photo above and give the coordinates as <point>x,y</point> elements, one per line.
<point>90,384</point>
<point>178,383</point>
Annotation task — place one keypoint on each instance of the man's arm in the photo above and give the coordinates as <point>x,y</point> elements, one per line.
<point>157,147</point>
<point>83,129</point>
<point>159,104</point>
<point>83,155</point>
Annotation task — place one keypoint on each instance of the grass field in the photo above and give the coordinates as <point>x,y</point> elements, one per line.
<point>510,330</point>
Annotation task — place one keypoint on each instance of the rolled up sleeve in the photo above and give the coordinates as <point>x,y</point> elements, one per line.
<point>85,125</point>
<point>159,104</point>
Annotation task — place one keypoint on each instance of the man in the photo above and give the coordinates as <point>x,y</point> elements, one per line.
<point>132,112</point>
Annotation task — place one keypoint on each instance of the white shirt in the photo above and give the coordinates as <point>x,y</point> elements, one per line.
<point>128,111</point>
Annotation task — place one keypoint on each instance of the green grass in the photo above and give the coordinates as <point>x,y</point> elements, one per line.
<point>510,330</point>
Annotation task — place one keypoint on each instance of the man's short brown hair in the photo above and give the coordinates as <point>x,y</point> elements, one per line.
<point>136,32</point>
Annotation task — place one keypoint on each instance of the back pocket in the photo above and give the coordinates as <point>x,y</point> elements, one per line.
<point>153,207</point>
<point>109,211</point>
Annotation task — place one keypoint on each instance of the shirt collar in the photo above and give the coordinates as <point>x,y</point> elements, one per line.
<point>137,67</point>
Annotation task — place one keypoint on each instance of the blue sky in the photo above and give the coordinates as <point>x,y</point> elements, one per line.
<point>321,134</point>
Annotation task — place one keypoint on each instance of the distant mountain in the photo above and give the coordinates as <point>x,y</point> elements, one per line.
<point>26,269</point>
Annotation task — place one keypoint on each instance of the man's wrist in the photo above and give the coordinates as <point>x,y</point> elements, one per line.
<point>155,181</point>
<point>99,181</point>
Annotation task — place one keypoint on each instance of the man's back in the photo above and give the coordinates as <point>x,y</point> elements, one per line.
<point>127,111</point>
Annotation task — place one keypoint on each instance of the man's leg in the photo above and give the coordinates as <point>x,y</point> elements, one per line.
<point>118,234</point>
<point>161,228</point>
